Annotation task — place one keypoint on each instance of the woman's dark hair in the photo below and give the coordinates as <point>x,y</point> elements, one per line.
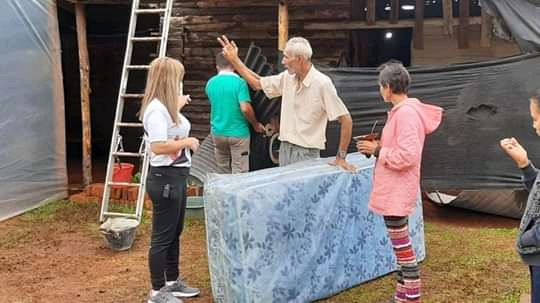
<point>394,75</point>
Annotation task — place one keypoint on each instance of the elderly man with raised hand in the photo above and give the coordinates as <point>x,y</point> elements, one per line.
<point>308,101</point>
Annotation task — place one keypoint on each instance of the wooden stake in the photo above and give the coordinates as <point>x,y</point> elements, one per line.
<point>418,39</point>
<point>283,24</point>
<point>84,68</point>
<point>463,28</point>
<point>448,17</point>
<point>486,27</point>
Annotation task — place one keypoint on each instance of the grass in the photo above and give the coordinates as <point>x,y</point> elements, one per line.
<point>462,265</point>
<point>47,212</point>
<point>477,265</point>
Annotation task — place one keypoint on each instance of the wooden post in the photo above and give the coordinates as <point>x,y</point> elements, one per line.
<point>418,39</point>
<point>370,16</point>
<point>448,17</point>
<point>359,44</point>
<point>463,28</point>
<point>84,68</point>
<point>283,24</point>
<point>486,27</point>
<point>394,11</point>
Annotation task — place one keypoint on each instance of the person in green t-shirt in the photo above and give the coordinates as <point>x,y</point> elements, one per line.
<point>230,115</point>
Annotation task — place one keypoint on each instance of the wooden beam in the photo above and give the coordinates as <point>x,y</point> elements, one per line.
<point>486,29</point>
<point>382,24</point>
<point>463,28</point>
<point>394,11</point>
<point>84,68</point>
<point>370,14</point>
<point>448,17</point>
<point>283,24</point>
<point>418,38</point>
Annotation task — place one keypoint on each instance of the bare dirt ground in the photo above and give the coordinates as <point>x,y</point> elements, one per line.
<point>65,259</point>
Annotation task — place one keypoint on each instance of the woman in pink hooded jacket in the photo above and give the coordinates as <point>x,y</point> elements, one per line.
<point>396,179</point>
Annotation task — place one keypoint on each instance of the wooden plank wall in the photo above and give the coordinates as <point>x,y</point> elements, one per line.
<point>196,24</point>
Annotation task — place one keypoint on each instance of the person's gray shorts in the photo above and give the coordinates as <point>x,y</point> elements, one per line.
<point>232,153</point>
<point>290,153</point>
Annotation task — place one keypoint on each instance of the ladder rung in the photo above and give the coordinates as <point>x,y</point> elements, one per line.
<point>150,11</point>
<point>145,39</point>
<point>123,184</point>
<point>129,124</point>
<point>137,66</point>
<point>113,214</point>
<point>127,154</point>
<point>135,96</point>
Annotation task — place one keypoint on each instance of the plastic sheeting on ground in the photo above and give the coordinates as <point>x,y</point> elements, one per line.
<point>32,153</point>
<point>296,233</point>
<point>484,102</point>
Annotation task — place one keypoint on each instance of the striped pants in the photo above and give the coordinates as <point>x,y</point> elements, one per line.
<point>408,274</point>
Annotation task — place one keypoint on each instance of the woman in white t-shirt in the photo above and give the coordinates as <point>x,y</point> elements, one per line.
<point>170,147</point>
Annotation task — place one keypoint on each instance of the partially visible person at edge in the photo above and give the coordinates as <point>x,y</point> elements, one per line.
<point>396,179</point>
<point>308,101</point>
<point>167,135</point>
<point>528,242</point>
<point>230,115</point>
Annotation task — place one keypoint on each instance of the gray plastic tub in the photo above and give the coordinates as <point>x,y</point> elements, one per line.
<point>119,233</point>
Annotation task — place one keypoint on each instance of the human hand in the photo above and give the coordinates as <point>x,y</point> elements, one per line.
<point>183,100</point>
<point>192,143</point>
<point>230,50</point>
<point>367,147</point>
<point>259,128</point>
<point>515,151</point>
<point>343,164</point>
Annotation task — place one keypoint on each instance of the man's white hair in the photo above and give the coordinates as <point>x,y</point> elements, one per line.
<point>299,47</point>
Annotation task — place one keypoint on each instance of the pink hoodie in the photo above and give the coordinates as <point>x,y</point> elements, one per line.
<point>396,180</point>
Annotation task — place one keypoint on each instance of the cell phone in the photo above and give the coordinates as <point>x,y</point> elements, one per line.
<point>166,191</point>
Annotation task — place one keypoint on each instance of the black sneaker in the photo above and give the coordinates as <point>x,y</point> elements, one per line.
<point>179,288</point>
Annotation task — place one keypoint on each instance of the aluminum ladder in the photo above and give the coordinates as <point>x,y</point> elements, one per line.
<point>116,149</point>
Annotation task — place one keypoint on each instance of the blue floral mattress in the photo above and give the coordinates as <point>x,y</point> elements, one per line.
<point>296,233</point>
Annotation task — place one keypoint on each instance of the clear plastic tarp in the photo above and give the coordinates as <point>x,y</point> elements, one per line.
<point>297,233</point>
<point>32,153</point>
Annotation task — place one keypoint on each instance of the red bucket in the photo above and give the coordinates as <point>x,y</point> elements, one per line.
<point>122,172</point>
